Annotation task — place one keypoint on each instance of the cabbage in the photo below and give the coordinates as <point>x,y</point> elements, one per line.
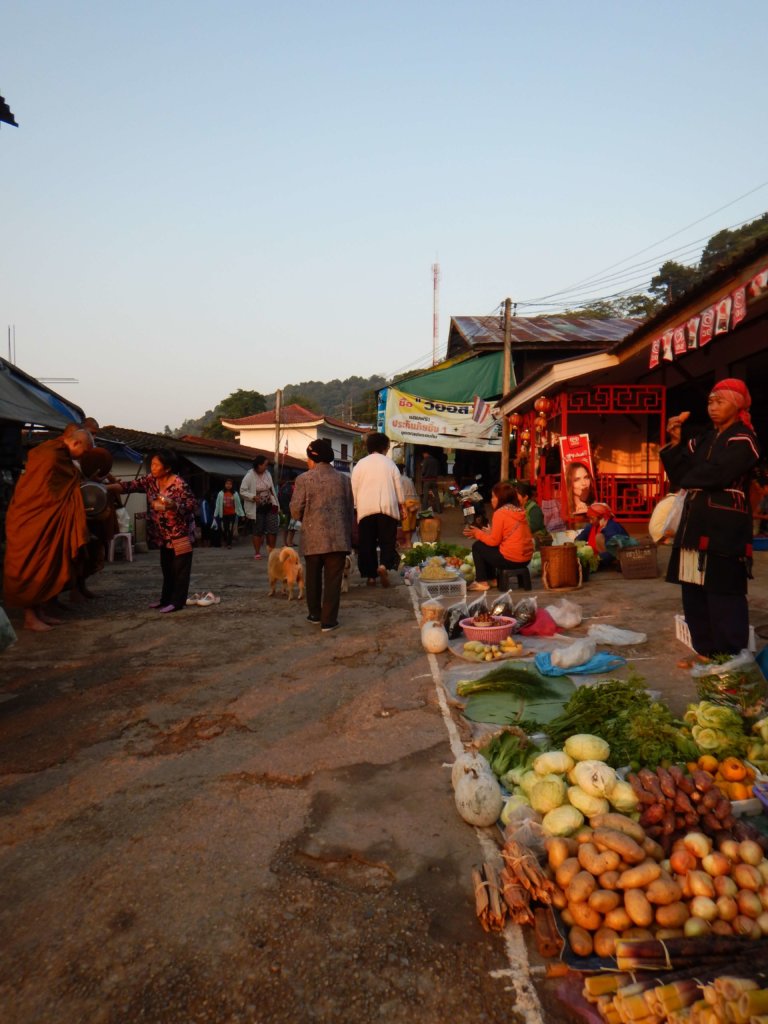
<point>584,747</point>
<point>563,821</point>
<point>554,761</point>
<point>587,804</point>
<point>547,794</point>
<point>514,776</point>
<point>528,781</point>
<point>517,808</point>
<point>595,778</point>
<point>623,797</point>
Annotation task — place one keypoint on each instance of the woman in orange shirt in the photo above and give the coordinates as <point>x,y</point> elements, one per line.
<point>507,545</point>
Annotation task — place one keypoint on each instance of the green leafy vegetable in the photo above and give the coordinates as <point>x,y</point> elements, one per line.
<point>508,750</point>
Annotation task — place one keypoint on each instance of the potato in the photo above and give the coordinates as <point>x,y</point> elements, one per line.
<point>624,845</point>
<point>662,892</point>
<point>639,876</point>
<point>603,900</point>
<point>557,851</point>
<point>618,919</point>
<point>604,941</point>
<point>637,933</point>
<point>673,915</point>
<point>580,941</point>
<point>581,887</point>
<point>653,849</point>
<point>584,916</point>
<point>619,823</point>
<point>559,898</point>
<point>595,862</point>
<point>567,916</point>
<point>566,871</point>
<point>609,880</point>
<point>637,906</point>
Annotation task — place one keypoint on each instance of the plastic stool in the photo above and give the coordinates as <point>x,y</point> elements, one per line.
<point>128,546</point>
<point>505,577</point>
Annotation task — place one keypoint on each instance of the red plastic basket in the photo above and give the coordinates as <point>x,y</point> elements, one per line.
<point>488,634</point>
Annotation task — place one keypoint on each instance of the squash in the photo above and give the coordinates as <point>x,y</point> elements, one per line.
<point>470,760</point>
<point>478,798</point>
<point>434,638</point>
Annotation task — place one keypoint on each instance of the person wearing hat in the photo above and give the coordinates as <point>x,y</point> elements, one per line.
<point>712,549</point>
<point>603,534</point>
<point>378,493</point>
<point>322,500</point>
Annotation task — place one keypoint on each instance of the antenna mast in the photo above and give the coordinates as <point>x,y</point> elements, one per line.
<point>435,311</point>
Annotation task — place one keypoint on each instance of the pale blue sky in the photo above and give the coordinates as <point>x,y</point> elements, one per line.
<point>205,196</point>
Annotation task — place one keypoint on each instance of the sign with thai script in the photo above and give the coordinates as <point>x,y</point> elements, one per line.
<point>465,425</point>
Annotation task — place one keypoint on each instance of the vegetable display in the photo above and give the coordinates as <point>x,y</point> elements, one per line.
<point>716,729</point>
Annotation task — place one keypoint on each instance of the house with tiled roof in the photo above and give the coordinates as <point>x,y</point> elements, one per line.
<point>298,427</point>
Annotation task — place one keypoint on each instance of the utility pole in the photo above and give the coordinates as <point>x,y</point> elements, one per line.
<point>435,311</point>
<point>506,384</point>
<point>278,404</point>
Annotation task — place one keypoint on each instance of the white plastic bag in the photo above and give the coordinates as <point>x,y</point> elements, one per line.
<point>577,653</point>
<point>567,614</point>
<point>605,634</point>
<point>666,517</point>
<point>7,632</point>
<point>123,520</point>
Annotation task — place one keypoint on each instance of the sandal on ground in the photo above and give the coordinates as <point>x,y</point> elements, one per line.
<point>208,599</point>
<point>194,599</point>
<point>383,575</point>
<point>481,587</point>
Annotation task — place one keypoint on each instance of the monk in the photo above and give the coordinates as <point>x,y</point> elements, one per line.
<point>45,528</point>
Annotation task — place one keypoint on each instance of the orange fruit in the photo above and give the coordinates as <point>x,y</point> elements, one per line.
<point>692,766</point>
<point>738,791</point>
<point>708,763</point>
<point>732,769</point>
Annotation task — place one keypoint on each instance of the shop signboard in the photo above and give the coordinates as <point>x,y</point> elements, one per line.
<point>381,410</point>
<point>578,474</point>
<point>465,425</point>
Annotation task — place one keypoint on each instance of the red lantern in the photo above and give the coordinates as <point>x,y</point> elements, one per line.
<point>541,422</point>
<point>515,420</point>
<point>525,435</point>
<point>542,404</point>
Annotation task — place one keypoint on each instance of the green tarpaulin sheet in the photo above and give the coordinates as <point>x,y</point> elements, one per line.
<point>459,381</point>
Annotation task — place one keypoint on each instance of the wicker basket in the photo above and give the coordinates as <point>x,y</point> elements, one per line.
<point>639,563</point>
<point>489,634</point>
<point>560,567</point>
<point>429,530</point>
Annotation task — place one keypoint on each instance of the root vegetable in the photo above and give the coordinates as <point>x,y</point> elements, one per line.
<point>662,892</point>
<point>580,941</point>
<point>763,922</point>
<point>609,880</point>
<point>580,888</point>
<point>743,925</point>
<point>730,847</point>
<point>701,884</point>
<point>749,904</point>
<point>567,871</point>
<point>720,927</point>
<point>703,907</point>
<point>750,852</point>
<point>762,892</point>
<point>639,876</point>
<point>619,823</point>
<point>682,861</point>
<point>619,842</point>
<point>727,908</point>
<point>585,917</point>
<point>653,849</point>
<point>716,864</point>
<point>605,941</point>
<point>637,906</point>
<point>674,915</point>
<point>725,886</point>
<point>747,877</point>
<point>592,860</point>
<point>696,927</point>
<point>558,850</point>
<point>618,920</point>
<point>697,843</point>
<point>603,900</point>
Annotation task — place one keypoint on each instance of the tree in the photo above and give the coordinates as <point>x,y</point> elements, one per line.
<point>236,406</point>
<point>672,281</point>
<point>298,398</point>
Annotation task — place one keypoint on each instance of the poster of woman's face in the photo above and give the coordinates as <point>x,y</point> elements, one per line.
<point>578,474</point>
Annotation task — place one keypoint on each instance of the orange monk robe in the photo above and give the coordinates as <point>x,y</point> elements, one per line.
<point>44,528</point>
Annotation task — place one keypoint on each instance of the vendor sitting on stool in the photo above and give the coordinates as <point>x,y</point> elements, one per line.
<point>602,527</point>
<point>507,545</point>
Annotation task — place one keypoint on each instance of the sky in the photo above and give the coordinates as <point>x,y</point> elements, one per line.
<point>203,196</point>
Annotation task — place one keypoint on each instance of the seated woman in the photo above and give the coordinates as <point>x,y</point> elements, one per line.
<point>533,514</point>
<point>507,545</point>
<point>603,534</point>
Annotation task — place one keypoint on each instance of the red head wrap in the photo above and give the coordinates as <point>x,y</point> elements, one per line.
<point>736,391</point>
<point>599,510</point>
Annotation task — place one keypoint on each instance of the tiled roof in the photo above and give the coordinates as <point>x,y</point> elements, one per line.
<point>565,330</point>
<point>143,441</point>
<point>291,416</point>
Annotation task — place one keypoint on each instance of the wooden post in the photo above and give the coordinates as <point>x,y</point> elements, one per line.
<point>506,384</point>
<point>278,405</point>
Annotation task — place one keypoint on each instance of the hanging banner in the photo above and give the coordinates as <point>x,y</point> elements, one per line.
<point>707,329</point>
<point>692,331</point>
<point>679,346</point>
<point>466,425</point>
<point>578,474</point>
<point>655,353</point>
<point>666,346</point>
<point>723,316</point>
<point>739,310</point>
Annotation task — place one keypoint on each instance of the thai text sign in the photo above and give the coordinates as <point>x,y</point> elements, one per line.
<point>444,424</point>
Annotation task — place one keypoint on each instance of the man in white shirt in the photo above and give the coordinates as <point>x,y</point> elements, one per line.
<point>378,498</point>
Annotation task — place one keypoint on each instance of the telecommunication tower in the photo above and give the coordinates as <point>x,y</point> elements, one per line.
<point>435,311</point>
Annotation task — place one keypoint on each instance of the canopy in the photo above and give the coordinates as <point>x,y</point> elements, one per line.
<point>460,379</point>
<point>24,400</point>
<point>218,465</point>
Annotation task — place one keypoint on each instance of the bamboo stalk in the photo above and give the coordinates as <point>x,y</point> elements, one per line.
<point>753,1003</point>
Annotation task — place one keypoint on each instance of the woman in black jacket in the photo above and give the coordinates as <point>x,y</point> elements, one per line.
<point>712,549</point>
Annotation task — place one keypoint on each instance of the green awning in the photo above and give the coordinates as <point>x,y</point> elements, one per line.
<point>459,380</point>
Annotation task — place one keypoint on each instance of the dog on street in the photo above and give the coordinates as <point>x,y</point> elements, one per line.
<point>284,565</point>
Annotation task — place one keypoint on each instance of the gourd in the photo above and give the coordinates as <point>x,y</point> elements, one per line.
<point>469,761</point>
<point>478,798</point>
<point>434,638</point>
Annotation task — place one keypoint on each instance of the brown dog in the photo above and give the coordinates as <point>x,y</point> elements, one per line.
<point>284,564</point>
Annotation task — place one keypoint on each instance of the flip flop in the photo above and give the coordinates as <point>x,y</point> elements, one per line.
<point>478,588</point>
<point>209,599</point>
<point>194,599</point>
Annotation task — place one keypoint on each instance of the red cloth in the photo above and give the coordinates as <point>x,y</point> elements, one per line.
<point>45,527</point>
<point>738,393</point>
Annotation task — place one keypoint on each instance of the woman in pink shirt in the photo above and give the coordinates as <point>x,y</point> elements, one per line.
<point>508,544</point>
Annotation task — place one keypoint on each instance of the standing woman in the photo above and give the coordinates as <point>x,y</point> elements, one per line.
<point>262,510</point>
<point>170,507</point>
<point>507,545</point>
<point>228,509</point>
<point>712,550</point>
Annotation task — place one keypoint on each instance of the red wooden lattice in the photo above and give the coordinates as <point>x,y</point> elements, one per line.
<point>617,398</point>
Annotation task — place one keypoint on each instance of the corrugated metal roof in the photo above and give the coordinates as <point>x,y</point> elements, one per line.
<point>188,445</point>
<point>292,416</point>
<point>567,329</point>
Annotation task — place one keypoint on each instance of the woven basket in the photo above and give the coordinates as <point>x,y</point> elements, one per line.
<point>429,530</point>
<point>489,634</point>
<point>560,567</point>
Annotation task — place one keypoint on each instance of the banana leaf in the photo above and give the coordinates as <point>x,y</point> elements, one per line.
<point>535,701</point>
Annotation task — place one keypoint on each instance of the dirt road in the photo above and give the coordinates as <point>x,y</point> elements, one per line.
<point>222,815</point>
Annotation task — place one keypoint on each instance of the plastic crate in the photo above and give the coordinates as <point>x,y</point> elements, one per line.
<point>639,563</point>
<point>683,634</point>
<point>456,589</point>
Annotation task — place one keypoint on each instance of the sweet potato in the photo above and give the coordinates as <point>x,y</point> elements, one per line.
<point>580,941</point>
<point>619,842</point>
<point>580,888</point>
<point>637,906</point>
<point>639,876</point>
